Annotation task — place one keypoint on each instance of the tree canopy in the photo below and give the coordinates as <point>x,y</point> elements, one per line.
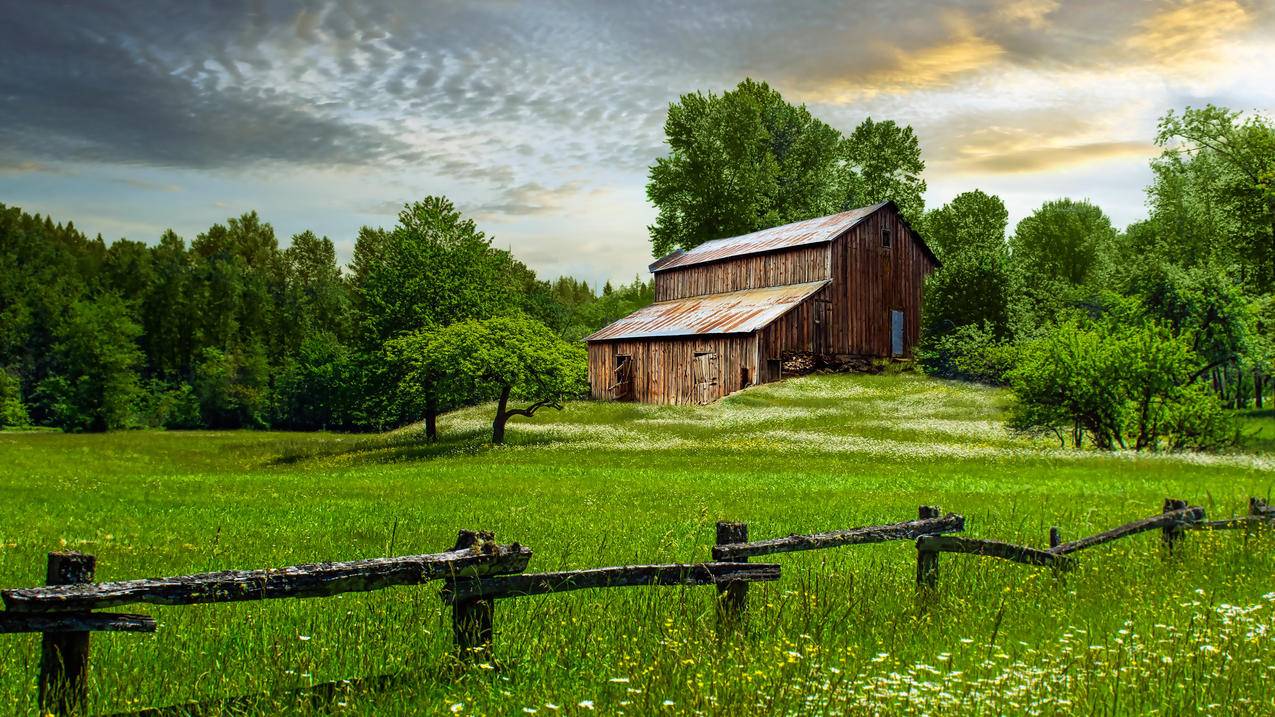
<point>747,159</point>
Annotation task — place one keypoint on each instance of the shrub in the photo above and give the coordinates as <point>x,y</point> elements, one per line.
<point>166,405</point>
<point>968,353</point>
<point>12,411</point>
<point>1121,385</point>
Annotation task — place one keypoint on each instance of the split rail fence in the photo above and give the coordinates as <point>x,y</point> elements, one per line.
<point>477,571</point>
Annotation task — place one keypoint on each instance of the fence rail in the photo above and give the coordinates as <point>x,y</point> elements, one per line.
<point>477,570</point>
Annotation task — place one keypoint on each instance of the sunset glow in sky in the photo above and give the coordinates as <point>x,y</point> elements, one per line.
<point>541,118</point>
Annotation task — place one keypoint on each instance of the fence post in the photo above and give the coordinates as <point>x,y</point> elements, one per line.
<point>927,561</point>
<point>1172,535</point>
<point>1055,537</point>
<point>732,595</point>
<point>472,618</point>
<point>64,656</point>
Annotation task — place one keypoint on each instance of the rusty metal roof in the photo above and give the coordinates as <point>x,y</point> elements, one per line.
<point>810,231</point>
<point>734,312</point>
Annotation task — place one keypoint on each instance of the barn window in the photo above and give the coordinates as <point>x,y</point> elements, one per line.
<point>743,376</point>
<point>885,237</point>
<point>623,377</point>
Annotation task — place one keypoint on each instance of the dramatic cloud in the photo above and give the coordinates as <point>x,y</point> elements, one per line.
<point>541,118</point>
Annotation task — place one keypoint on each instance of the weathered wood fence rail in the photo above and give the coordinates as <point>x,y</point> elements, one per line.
<point>478,570</point>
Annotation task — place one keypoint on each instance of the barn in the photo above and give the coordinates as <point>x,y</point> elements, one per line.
<point>729,313</point>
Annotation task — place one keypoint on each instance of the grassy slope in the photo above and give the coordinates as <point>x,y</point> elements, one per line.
<point>614,483</point>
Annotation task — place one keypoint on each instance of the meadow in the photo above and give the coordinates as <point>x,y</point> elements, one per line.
<point>1129,632</point>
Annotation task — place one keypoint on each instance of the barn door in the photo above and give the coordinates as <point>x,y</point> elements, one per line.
<point>705,372</point>
<point>820,325</point>
<point>896,332</point>
<point>623,385</point>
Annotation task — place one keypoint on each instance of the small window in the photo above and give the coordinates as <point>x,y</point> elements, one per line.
<point>743,376</point>
<point>885,237</point>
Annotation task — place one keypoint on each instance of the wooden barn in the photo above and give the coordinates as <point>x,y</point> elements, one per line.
<point>730,312</point>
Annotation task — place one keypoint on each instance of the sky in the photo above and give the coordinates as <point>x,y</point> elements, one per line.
<point>541,119</point>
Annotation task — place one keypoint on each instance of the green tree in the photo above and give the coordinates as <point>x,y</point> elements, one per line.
<point>973,222</point>
<point>1226,160</point>
<point>95,352</point>
<point>1063,242</point>
<point>1119,383</point>
<point>885,164</point>
<point>504,358</point>
<point>747,160</point>
<point>314,389</point>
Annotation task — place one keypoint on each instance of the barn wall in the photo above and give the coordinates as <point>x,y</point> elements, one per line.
<point>662,368</point>
<point>869,280</point>
<point>793,266</point>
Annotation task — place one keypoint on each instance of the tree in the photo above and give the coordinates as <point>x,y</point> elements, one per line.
<point>747,160</point>
<point>314,388</point>
<point>1063,242</point>
<point>1120,384</point>
<point>973,221</point>
<point>419,380</point>
<point>885,163</point>
<point>95,387</point>
<point>433,267</point>
<point>508,357</point>
<point>1237,155</point>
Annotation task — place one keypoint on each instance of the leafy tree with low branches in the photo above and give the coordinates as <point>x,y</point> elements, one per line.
<point>504,358</point>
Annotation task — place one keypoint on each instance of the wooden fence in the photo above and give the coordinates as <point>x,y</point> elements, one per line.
<point>477,571</point>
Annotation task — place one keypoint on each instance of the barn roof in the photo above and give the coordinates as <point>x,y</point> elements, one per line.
<point>729,313</point>
<point>809,231</point>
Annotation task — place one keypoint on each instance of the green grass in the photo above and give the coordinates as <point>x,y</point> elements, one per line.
<point>601,484</point>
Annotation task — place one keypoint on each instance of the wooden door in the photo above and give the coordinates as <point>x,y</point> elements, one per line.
<point>706,373</point>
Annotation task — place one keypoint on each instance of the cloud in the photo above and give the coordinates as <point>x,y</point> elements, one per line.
<point>528,199</point>
<point>1037,159</point>
<point>1189,34</point>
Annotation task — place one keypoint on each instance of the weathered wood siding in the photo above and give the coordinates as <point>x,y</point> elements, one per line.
<point>663,368</point>
<point>793,266</point>
<point>849,317</point>
<point>868,280</point>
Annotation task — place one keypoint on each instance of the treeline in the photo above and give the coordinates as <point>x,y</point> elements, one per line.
<point>1135,339</point>
<point>232,330</point>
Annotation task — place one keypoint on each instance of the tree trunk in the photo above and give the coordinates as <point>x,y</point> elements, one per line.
<point>431,417</point>
<point>502,417</point>
<point>1258,380</point>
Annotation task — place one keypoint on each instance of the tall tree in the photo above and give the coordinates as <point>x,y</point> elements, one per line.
<point>1214,185</point>
<point>747,160</point>
<point>973,221</point>
<point>95,387</point>
<point>885,164</point>
<point>1064,241</point>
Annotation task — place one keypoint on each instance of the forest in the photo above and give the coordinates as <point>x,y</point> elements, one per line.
<point>1138,338</point>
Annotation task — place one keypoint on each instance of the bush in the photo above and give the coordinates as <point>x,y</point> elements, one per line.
<point>12,411</point>
<point>166,405</point>
<point>1121,385</point>
<point>968,353</point>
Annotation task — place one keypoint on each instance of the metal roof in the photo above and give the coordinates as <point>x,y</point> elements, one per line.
<point>810,231</point>
<point>734,312</point>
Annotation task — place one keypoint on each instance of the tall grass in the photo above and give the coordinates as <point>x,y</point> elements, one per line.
<point>1129,632</point>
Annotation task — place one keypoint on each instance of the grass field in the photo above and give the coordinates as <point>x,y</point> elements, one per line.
<point>600,484</point>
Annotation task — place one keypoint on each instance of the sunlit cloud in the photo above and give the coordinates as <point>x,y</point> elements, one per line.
<point>541,119</point>
<point>1189,35</point>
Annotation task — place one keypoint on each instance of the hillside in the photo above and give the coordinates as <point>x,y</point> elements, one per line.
<point>605,483</point>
